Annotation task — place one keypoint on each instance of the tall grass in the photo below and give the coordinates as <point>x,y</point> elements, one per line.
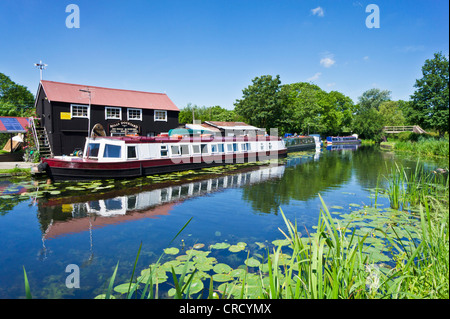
<point>425,146</point>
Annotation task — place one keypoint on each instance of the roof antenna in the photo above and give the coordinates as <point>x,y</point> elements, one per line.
<point>41,66</point>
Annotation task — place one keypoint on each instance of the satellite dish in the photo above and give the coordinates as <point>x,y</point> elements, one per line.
<point>98,130</point>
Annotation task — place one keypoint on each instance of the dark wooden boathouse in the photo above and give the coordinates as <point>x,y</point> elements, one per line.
<point>67,112</point>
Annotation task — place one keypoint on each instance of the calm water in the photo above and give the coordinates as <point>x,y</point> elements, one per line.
<point>96,232</point>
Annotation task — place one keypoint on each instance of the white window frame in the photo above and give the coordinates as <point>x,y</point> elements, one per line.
<point>158,119</point>
<point>113,108</point>
<point>134,119</point>
<point>80,105</point>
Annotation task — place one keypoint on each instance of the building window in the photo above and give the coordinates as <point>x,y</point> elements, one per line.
<point>161,116</point>
<point>113,113</point>
<point>79,110</point>
<point>135,114</point>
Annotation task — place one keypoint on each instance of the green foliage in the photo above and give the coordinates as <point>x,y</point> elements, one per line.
<point>15,99</point>
<point>368,124</point>
<point>391,113</point>
<point>262,102</point>
<point>212,113</point>
<point>430,101</point>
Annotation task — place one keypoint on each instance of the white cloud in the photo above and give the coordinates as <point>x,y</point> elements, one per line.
<point>331,84</point>
<point>327,62</point>
<point>314,77</point>
<point>317,11</point>
<point>366,58</point>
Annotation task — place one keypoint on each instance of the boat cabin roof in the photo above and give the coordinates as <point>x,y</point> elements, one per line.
<point>165,139</point>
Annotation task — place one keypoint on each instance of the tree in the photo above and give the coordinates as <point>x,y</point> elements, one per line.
<point>367,121</point>
<point>368,124</point>
<point>262,102</point>
<point>302,110</point>
<point>430,102</point>
<point>391,113</point>
<point>15,99</point>
<point>336,112</point>
<point>212,113</point>
<point>373,98</point>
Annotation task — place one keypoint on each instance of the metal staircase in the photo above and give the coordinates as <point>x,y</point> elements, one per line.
<point>40,138</point>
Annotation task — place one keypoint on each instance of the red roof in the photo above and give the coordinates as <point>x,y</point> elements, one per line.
<point>70,93</point>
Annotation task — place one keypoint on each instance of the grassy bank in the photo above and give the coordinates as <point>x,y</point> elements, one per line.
<point>420,145</point>
<point>395,253</point>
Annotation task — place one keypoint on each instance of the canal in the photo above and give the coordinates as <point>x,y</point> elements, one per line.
<point>235,214</point>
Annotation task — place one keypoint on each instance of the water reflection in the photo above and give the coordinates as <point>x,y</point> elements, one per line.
<point>342,147</point>
<point>77,217</point>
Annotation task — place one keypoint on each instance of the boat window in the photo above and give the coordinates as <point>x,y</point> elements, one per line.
<point>131,152</point>
<point>229,148</point>
<point>92,150</point>
<point>243,147</point>
<point>204,148</point>
<point>175,149</point>
<point>270,146</point>
<point>262,146</point>
<point>184,149</point>
<point>213,148</point>
<point>163,150</point>
<point>248,147</point>
<point>112,151</point>
<point>221,149</point>
<point>234,147</point>
<point>196,149</point>
<point>95,205</point>
<point>113,204</point>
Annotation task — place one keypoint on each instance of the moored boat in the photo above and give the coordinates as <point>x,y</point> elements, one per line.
<point>128,157</point>
<point>299,143</point>
<point>343,140</point>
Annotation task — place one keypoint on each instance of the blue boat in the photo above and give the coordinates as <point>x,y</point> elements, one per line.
<point>343,140</point>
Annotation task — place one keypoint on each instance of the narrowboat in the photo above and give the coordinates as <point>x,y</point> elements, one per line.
<point>299,143</point>
<point>115,157</point>
<point>343,140</point>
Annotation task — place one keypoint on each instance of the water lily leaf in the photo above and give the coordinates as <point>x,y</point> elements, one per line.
<point>123,288</point>
<point>222,277</point>
<point>241,244</point>
<point>354,205</point>
<point>235,248</point>
<point>260,245</point>
<point>281,242</point>
<point>238,272</point>
<point>336,207</point>
<point>220,246</point>
<point>199,246</point>
<point>222,268</point>
<point>171,251</point>
<point>252,262</point>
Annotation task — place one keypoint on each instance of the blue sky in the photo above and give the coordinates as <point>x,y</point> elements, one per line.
<point>205,52</point>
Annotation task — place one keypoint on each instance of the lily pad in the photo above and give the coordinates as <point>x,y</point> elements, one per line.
<point>281,242</point>
<point>222,268</point>
<point>199,246</point>
<point>235,248</point>
<point>238,272</point>
<point>260,245</point>
<point>171,251</point>
<point>252,262</point>
<point>222,277</point>
<point>336,207</point>
<point>220,246</point>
